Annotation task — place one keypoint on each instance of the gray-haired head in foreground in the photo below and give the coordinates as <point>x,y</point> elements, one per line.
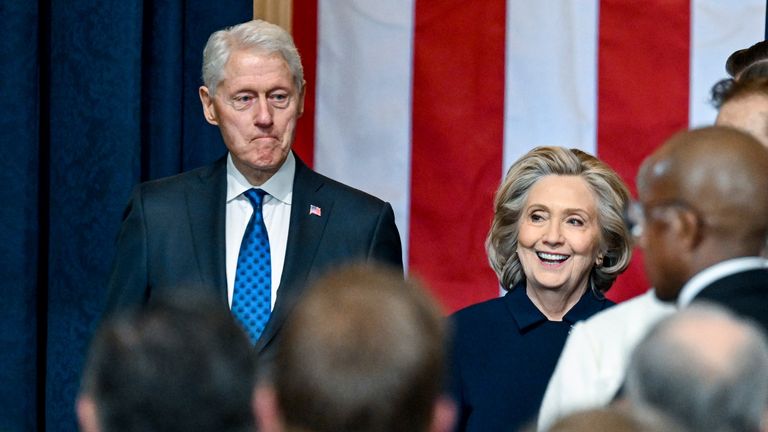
<point>705,368</point>
<point>616,419</point>
<point>256,36</point>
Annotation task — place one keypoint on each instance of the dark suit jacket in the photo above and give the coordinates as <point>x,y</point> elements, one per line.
<point>745,293</point>
<point>172,237</point>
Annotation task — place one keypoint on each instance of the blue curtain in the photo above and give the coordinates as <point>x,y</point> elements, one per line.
<point>97,96</point>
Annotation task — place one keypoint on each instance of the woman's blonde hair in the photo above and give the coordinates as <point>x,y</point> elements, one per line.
<point>611,195</point>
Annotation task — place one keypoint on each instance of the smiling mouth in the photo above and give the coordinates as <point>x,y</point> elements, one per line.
<point>552,258</point>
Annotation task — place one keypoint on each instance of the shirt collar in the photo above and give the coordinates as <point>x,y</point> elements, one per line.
<point>526,314</point>
<point>279,186</point>
<point>720,270</point>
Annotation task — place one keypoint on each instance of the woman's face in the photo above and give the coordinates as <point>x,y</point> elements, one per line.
<point>559,236</point>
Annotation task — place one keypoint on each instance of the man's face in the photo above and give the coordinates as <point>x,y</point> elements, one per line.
<point>664,262</point>
<point>256,106</point>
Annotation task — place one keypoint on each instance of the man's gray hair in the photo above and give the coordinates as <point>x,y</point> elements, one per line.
<point>705,368</point>
<point>256,36</point>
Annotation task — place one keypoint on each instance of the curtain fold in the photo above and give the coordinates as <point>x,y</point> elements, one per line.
<point>19,228</point>
<point>105,98</point>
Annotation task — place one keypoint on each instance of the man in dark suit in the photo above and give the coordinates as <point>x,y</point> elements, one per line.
<point>186,230</point>
<point>703,220</point>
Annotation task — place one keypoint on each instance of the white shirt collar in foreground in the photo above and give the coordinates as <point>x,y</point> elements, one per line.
<point>279,186</point>
<point>720,270</point>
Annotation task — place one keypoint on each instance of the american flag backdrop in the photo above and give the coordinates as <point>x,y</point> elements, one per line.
<point>426,103</point>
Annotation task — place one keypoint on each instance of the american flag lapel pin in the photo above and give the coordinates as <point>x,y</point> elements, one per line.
<point>315,210</point>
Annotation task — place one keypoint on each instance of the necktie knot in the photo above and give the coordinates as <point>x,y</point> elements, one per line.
<point>255,196</point>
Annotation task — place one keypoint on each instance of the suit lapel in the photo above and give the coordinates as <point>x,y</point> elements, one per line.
<point>304,235</point>
<point>206,204</point>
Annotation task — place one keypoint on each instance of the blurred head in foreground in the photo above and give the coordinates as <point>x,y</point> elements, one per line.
<point>615,419</point>
<point>178,364</point>
<point>704,368</point>
<point>363,351</point>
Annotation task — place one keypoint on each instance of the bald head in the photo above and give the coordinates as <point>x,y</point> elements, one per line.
<point>717,158</point>
<point>705,368</point>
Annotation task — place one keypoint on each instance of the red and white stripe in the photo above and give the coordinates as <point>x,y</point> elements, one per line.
<point>426,103</point>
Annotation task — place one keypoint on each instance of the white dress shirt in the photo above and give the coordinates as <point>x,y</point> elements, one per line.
<point>594,360</point>
<point>276,209</point>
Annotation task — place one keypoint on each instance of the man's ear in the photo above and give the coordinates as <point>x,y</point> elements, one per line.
<point>689,228</point>
<point>266,409</point>
<point>87,415</point>
<point>206,98</point>
<point>301,97</point>
<point>443,415</point>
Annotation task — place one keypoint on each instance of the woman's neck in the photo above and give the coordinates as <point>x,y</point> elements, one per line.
<point>555,303</point>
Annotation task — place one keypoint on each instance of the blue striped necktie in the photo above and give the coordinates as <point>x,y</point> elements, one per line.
<point>251,299</point>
